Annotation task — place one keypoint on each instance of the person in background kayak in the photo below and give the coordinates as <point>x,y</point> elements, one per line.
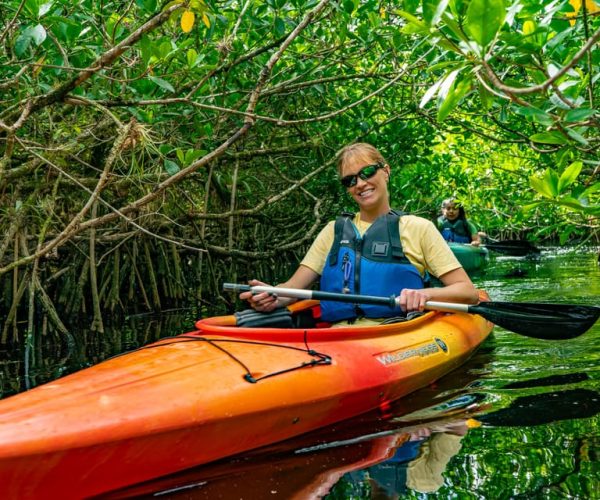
<point>376,251</point>
<point>454,225</point>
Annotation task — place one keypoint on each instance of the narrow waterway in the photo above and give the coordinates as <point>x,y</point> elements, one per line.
<point>518,420</point>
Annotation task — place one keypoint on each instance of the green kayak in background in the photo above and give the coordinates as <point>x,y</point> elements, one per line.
<point>472,258</point>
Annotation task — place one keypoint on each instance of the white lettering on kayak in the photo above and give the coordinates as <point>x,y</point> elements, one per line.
<point>390,358</point>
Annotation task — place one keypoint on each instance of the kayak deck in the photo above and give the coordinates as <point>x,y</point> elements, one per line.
<point>212,393</point>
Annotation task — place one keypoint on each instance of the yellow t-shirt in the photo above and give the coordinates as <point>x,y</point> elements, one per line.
<point>422,244</point>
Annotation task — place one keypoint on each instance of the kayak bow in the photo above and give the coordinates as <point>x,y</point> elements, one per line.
<point>215,392</point>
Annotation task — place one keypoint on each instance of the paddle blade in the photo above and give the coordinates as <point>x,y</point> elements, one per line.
<point>540,321</point>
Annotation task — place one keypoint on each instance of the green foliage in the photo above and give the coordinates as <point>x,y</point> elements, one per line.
<point>516,71</point>
<point>483,20</point>
<point>232,131</point>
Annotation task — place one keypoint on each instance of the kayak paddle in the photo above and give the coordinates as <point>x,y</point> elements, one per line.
<point>536,320</point>
<point>512,247</point>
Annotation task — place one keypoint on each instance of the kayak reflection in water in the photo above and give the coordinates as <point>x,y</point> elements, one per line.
<point>377,251</point>
<point>418,464</point>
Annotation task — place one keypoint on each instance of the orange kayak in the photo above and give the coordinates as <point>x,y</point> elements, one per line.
<point>213,393</point>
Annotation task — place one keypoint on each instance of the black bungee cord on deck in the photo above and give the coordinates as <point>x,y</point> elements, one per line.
<point>321,359</point>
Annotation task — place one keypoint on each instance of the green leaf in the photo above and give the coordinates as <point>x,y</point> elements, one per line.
<point>455,95</point>
<point>580,114</point>
<point>162,83</point>
<point>32,6</point>
<point>574,204</point>
<point>44,8</point>
<point>455,28</point>
<point>279,26</point>
<point>547,185</point>
<point>22,43</point>
<point>484,19</point>
<point>433,10</point>
<point>591,190</point>
<point>569,175</point>
<point>171,167</point>
<point>147,5</point>
<point>550,178</point>
<point>536,114</point>
<point>191,155</point>
<point>528,207</point>
<point>38,34</point>
<point>164,49</point>
<point>538,185</point>
<point>431,91</point>
<point>349,6</point>
<point>191,55</point>
<point>573,134</point>
<point>558,102</point>
<point>486,98</point>
<point>549,138</point>
<point>564,235</point>
<point>447,84</point>
<point>412,19</point>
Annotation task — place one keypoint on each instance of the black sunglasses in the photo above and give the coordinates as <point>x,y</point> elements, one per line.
<point>364,173</point>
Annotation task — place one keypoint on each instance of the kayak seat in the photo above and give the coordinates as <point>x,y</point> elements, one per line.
<point>279,318</point>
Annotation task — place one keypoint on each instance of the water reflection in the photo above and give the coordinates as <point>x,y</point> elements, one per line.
<point>369,457</point>
<point>355,456</point>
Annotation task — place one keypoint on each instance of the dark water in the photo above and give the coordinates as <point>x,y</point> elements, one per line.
<point>519,420</point>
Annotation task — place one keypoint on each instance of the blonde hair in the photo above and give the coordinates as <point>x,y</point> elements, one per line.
<point>366,151</point>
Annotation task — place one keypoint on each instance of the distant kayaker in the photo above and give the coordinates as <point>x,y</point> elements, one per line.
<point>454,225</point>
<point>376,251</point>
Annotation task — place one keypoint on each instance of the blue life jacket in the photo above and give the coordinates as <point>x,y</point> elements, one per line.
<point>457,231</point>
<point>373,264</point>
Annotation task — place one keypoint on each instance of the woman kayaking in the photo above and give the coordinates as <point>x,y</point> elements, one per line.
<point>455,226</point>
<point>376,251</point>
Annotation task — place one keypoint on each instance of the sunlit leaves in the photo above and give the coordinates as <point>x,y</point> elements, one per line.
<point>433,10</point>
<point>415,25</point>
<point>484,19</point>
<point>190,156</point>
<point>562,190</point>
<point>569,175</point>
<point>191,57</point>
<point>449,90</point>
<point>547,185</point>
